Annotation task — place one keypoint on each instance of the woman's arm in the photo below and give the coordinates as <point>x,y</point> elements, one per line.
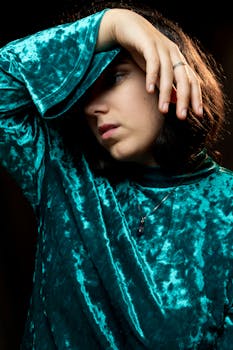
<point>51,63</point>
<point>44,74</point>
<point>142,39</point>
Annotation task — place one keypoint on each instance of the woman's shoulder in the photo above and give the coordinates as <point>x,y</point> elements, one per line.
<point>215,180</point>
<point>221,181</point>
<point>224,173</point>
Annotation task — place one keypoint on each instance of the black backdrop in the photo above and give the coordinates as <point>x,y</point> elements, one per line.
<point>211,25</point>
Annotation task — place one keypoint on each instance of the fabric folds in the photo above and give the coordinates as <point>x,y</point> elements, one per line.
<point>97,284</point>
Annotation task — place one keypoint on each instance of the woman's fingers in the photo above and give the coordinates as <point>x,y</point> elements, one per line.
<point>188,89</point>
<point>188,92</point>
<point>167,68</point>
<point>196,94</point>
<point>149,62</point>
<point>158,56</point>
<point>164,82</point>
<point>177,77</point>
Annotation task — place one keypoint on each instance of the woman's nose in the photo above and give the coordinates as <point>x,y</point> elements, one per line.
<point>95,106</point>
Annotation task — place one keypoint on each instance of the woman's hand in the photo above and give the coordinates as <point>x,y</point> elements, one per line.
<point>156,55</point>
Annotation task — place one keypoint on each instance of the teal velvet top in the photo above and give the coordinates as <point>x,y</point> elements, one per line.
<point>97,283</point>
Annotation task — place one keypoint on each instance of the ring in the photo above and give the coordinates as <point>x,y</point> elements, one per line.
<point>180,63</point>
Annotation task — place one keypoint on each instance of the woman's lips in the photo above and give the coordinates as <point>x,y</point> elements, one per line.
<point>106,130</point>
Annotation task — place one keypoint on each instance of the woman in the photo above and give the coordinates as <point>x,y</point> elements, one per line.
<point>134,223</point>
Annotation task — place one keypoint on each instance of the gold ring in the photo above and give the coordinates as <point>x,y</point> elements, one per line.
<point>181,63</point>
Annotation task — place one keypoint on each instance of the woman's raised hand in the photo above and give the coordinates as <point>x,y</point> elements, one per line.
<point>157,55</point>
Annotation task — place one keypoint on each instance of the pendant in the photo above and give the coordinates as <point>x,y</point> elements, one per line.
<point>140,231</point>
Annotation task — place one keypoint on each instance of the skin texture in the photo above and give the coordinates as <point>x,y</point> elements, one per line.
<point>122,114</point>
<point>156,55</point>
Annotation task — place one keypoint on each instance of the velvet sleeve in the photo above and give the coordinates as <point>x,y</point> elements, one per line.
<point>42,76</point>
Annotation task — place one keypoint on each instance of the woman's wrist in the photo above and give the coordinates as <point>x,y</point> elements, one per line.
<point>107,36</point>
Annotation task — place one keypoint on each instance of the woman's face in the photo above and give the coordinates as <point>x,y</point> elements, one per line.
<point>122,115</point>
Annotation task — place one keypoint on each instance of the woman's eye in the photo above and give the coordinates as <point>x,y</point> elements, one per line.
<point>114,78</point>
<point>118,76</point>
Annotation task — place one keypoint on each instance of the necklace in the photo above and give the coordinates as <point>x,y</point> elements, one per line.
<point>140,230</point>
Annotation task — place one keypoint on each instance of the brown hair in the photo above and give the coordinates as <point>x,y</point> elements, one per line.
<point>179,142</point>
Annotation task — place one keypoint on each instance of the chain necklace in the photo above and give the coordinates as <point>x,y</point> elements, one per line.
<point>140,230</point>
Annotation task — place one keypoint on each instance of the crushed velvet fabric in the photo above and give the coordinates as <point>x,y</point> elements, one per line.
<point>97,284</point>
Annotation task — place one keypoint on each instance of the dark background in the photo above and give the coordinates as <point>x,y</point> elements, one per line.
<point>212,25</point>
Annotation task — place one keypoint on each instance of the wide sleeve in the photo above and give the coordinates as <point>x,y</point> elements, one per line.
<point>42,76</point>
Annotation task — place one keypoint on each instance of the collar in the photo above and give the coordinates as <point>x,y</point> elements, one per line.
<point>154,176</point>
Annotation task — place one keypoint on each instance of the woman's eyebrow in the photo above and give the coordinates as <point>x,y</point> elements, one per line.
<point>123,60</point>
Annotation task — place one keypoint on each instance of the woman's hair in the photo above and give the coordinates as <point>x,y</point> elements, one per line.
<point>180,141</point>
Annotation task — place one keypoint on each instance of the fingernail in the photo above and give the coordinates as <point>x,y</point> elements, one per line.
<point>151,88</point>
<point>200,110</point>
<point>184,113</point>
<point>165,107</point>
